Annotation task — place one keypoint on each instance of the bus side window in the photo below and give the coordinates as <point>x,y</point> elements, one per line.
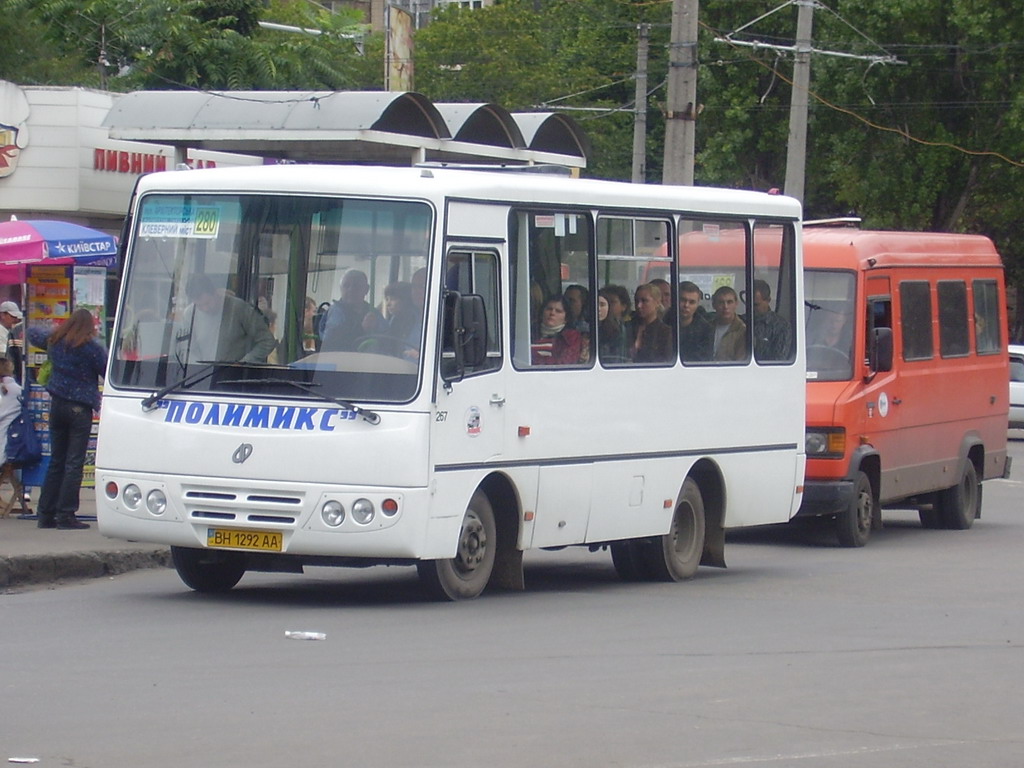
<point>472,273</point>
<point>554,308</point>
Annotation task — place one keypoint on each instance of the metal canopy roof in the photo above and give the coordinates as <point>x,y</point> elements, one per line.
<point>358,127</point>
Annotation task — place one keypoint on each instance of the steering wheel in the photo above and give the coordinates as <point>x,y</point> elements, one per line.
<point>826,357</point>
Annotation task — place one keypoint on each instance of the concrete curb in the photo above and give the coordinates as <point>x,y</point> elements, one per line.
<point>24,570</point>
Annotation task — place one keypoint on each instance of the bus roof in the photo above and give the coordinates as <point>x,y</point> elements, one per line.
<point>499,186</point>
<point>849,248</point>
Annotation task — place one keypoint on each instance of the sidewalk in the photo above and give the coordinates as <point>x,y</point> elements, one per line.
<point>29,555</point>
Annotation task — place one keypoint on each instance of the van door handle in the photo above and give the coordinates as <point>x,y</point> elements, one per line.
<point>497,400</point>
<point>896,401</point>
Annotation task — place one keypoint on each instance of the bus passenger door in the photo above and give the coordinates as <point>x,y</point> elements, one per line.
<point>470,416</point>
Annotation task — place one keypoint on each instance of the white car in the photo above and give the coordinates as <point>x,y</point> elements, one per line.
<point>1016,386</point>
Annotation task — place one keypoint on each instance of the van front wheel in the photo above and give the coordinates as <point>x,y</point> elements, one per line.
<point>959,505</point>
<point>464,576</point>
<point>853,524</point>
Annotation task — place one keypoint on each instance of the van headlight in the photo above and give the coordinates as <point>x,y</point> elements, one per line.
<point>825,443</point>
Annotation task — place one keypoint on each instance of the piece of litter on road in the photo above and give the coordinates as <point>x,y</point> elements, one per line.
<point>22,759</point>
<point>295,634</point>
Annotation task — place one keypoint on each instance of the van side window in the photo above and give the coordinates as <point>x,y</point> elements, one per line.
<point>474,273</point>
<point>987,333</point>
<point>953,335</point>
<point>916,320</point>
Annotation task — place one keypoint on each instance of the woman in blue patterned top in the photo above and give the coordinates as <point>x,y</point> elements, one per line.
<point>78,361</point>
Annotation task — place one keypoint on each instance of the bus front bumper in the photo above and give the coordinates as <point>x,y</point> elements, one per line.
<point>826,497</point>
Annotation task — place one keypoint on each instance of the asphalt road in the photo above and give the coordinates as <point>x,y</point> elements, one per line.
<point>905,653</point>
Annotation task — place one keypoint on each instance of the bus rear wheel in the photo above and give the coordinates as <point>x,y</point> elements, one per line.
<point>676,555</point>
<point>207,570</point>
<point>853,524</point>
<point>464,576</point>
<point>959,505</point>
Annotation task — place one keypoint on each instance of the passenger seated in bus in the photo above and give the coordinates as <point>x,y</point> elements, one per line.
<point>620,309</point>
<point>578,299</point>
<point>666,300</point>
<point>772,334</point>
<point>730,331</point>
<point>350,319</point>
<point>218,326</point>
<point>611,332</point>
<point>400,313</point>
<point>553,342</point>
<point>651,338</point>
<point>696,336</point>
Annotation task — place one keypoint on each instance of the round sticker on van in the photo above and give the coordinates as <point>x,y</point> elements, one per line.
<point>883,405</point>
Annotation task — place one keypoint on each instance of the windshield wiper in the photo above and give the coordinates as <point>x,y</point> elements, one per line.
<point>150,403</point>
<point>371,417</point>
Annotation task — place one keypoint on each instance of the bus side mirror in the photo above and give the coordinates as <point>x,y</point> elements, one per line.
<point>464,344</point>
<point>880,354</point>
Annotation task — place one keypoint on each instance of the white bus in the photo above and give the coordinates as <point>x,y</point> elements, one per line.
<point>409,407</point>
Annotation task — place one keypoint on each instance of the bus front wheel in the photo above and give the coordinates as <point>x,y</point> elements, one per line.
<point>207,570</point>
<point>676,555</point>
<point>464,576</point>
<point>853,524</point>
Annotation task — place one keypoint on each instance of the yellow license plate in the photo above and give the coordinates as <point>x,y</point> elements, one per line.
<point>262,541</point>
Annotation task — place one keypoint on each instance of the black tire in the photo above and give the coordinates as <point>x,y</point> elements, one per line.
<point>931,518</point>
<point>960,505</point>
<point>625,558</point>
<point>853,524</point>
<point>206,570</point>
<point>676,555</point>
<point>465,576</point>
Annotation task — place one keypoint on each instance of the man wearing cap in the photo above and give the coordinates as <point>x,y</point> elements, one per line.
<point>11,335</point>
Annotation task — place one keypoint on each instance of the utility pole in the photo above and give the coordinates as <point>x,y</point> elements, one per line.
<point>681,105</point>
<point>796,148</point>
<point>640,106</point>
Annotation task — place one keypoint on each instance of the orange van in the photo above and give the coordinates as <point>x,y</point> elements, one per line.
<point>907,371</point>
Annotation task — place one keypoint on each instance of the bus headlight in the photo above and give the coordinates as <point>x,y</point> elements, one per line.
<point>156,502</point>
<point>825,443</point>
<point>132,496</point>
<point>362,511</point>
<point>332,513</point>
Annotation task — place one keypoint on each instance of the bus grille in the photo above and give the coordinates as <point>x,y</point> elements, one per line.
<point>243,506</point>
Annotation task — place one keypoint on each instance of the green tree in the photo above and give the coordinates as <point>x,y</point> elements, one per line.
<point>200,43</point>
<point>532,57</point>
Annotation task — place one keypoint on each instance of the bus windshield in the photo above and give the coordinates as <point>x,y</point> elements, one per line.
<point>829,320</point>
<point>275,295</point>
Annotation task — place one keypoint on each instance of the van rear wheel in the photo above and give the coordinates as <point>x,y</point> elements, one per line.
<point>853,524</point>
<point>959,505</point>
<point>464,576</point>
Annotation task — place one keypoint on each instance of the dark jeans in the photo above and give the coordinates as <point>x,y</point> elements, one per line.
<point>70,425</point>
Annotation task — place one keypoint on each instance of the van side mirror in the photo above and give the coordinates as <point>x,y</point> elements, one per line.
<point>880,353</point>
<point>464,343</point>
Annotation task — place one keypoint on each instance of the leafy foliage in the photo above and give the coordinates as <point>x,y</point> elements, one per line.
<point>132,44</point>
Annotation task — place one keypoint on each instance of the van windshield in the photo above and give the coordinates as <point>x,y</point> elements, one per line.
<point>829,321</point>
<point>275,295</point>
